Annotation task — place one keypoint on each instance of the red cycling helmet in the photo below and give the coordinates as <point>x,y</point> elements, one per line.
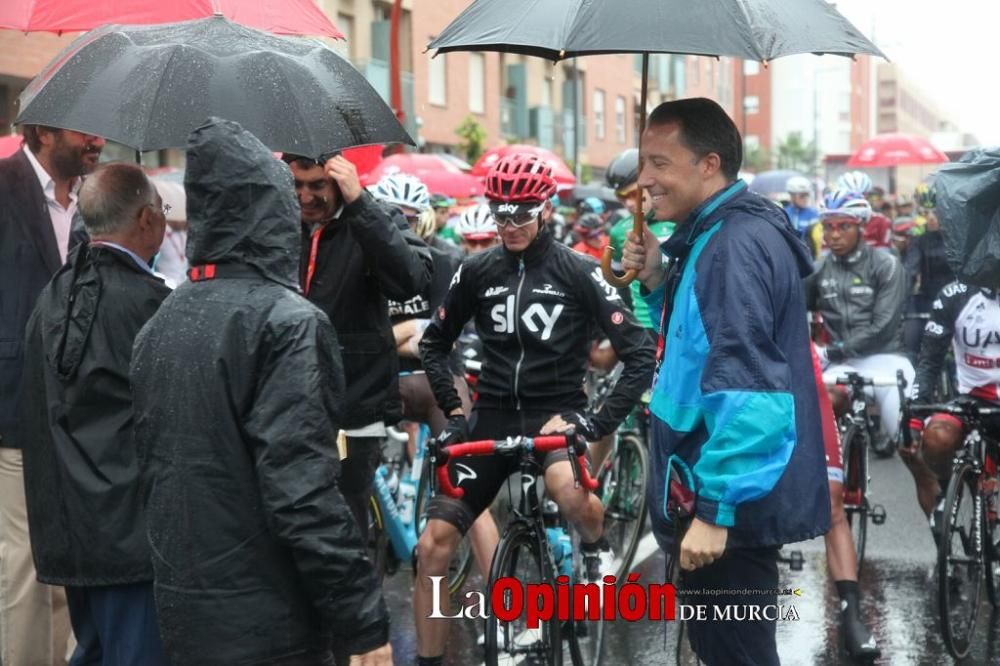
<point>520,178</point>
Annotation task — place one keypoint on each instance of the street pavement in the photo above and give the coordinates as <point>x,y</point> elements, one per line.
<point>898,584</point>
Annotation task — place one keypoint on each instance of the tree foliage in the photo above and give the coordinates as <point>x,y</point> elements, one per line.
<point>794,153</point>
<point>473,138</point>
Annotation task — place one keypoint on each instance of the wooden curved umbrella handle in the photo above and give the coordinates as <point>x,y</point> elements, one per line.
<point>619,282</point>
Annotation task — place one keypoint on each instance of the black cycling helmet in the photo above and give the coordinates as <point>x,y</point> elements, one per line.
<point>589,225</point>
<point>623,170</point>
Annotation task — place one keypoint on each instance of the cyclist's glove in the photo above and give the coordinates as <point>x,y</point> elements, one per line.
<point>582,424</point>
<point>455,432</point>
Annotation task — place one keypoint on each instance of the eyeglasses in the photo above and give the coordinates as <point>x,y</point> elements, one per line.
<point>516,221</point>
<point>838,226</point>
<point>480,242</point>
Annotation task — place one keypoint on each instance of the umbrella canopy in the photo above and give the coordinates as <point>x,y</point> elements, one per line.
<point>761,30</point>
<point>562,174</point>
<point>886,150</point>
<point>9,145</point>
<point>148,87</point>
<point>439,174</point>
<point>289,17</point>
<point>772,182</point>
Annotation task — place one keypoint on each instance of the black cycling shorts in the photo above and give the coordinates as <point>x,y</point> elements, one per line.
<point>482,477</point>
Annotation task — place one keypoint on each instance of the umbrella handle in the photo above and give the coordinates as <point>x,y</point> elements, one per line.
<point>609,275</point>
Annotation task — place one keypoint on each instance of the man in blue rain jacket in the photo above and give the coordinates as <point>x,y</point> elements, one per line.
<point>735,409</point>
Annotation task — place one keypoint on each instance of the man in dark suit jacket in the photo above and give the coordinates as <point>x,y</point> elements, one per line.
<point>38,187</point>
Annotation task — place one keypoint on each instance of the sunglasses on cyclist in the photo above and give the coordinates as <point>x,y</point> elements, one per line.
<point>517,221</point>
<point>839,226</point>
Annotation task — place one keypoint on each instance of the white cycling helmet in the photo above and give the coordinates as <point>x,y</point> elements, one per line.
<point>476,223</point>
<point>849,204</point>
<point>798,185</point>
<point>854,181</point>
<point>401,189</point>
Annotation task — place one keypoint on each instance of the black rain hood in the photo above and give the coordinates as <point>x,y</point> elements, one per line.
<point>241,203</point>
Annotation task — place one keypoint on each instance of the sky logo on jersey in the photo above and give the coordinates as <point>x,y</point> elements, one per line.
<point>610,293</point>
<point>535,318</point>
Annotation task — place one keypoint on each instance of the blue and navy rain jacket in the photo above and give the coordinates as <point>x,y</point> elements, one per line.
<point>734,403</point>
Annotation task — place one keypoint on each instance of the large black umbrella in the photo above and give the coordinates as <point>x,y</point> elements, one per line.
<point>148,86</point>
<point>759,30</point>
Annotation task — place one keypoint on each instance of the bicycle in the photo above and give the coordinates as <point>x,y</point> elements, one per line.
<point>857,433</point>
<point>398,512</point>
<point>622,477</point>
<point>969,544</point>
<point>528,551</point>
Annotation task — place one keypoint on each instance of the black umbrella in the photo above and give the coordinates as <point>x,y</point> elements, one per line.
<point>556,29</point>
<point>759,30</point>
<point>148,87</point>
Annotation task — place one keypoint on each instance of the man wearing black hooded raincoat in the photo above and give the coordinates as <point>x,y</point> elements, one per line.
<point>238,386</point>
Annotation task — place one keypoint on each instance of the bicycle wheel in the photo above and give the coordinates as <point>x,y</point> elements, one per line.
<point>622,491</point>
<point>856,506</point>
<point>378,540</point>
<point>991,555</point>
<point>520,556</point>
<point>960,561</point>
<point>586,637</point>
<point>461,561</point>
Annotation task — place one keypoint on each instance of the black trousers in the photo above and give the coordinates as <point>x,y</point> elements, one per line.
<point>720,587</point>
<point>357,472</point>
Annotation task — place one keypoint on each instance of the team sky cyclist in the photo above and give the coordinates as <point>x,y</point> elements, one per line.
<point>860,292</point>
<point>966,319</point>
<point>535,303</point>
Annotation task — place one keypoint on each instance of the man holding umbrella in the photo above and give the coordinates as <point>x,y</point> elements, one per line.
<point>735,414</point>
<point>38,197</point>
<point>355,256</point>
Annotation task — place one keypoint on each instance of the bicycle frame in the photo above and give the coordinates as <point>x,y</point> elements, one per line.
<point>403,533</point>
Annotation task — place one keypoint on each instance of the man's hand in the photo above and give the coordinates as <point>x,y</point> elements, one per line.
<point>345,175</point>
<point>455,432</point>
<point>378,657</point>
<point>643,256</point>
<point>703,544</point>
<point>576,421</point>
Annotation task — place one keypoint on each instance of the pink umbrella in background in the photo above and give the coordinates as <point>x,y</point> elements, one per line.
<point>9,145</point>
<point>889,150</point>
<point>440,175</point>
<point>288,17</point>
<point>560,171</point>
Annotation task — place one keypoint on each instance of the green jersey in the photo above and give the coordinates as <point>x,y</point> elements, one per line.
<point>662,231</point>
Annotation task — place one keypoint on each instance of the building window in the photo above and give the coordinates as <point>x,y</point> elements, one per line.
<point>599,114</point>
<point>751,104</point>
<point>477,87</point>
<point>346,25</point>
<point>620,118</point>
<point>437,92</point>
<point>751,67</point>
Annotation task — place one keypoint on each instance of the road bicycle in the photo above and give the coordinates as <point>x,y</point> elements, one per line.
<point>969,531</point>
<point>398,510</point>
<point>533,551</point>
<point>858,430</point>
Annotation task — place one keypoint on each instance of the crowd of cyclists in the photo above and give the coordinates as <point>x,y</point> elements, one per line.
<point>882,298</point>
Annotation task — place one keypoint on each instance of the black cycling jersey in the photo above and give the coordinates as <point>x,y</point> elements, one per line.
<point>534,312</point>
<point>966,318</point>
<point>423,304</point>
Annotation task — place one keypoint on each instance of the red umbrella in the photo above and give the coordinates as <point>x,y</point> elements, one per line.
<point>563,175</point>
<point>364,158</point>
<point>9,145</point>
<point>887,150</point>
<point>288,17</point>
<point>439,174</point>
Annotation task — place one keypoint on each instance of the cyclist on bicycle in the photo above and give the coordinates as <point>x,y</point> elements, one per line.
<point>967,319</point>
<point>535,304</point>
<point>861,294</point>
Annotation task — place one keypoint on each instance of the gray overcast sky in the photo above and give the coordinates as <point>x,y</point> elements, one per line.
<point>949,48</point>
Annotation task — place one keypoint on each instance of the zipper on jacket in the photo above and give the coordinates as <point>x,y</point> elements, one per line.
<point>517,329</point>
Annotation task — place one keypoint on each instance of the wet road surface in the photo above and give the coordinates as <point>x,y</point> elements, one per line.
<point>897,581</point>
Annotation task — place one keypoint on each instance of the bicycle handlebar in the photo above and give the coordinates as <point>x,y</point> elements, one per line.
<point>961,409</point>
<point>514,446</point>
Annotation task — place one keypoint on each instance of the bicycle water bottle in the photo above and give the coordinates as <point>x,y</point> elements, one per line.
<point>407,500</point>
<point>562,550</point>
